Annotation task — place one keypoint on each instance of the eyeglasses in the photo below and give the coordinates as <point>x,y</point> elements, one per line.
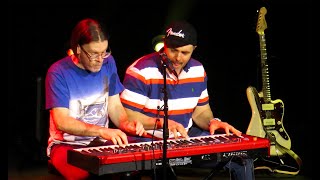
<point>95,56</point>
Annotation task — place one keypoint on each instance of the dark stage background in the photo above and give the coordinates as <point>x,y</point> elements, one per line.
<point>228,46</point>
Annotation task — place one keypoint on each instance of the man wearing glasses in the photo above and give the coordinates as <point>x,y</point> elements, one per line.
<point>82,95</point>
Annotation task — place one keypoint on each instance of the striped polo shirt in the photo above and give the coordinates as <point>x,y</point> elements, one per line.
<point>144,89</point>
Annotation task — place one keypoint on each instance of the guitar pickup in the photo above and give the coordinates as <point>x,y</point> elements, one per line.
<point>267,107</point>
<point>269,122</point>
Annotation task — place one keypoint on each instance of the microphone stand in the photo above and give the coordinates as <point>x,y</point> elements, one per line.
<point>165,121</point>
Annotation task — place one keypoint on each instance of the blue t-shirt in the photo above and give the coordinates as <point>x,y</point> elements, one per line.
<point>84,93</point>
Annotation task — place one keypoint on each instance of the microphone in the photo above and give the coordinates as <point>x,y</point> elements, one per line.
<point>168,63</point>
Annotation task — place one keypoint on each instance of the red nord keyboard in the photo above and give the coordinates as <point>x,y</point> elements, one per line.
<point>146,155</point>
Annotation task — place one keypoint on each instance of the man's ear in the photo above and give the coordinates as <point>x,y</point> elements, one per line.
<point>78,49</point>
<point>194,47</point>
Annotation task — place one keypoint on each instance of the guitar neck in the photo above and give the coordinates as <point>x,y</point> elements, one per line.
<point>264,69</point>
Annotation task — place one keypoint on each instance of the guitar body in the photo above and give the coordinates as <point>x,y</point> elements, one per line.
<point>267,121</point>
<point>255,127</point>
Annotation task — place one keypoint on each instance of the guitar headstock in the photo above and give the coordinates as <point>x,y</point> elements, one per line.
<point>262,23</point>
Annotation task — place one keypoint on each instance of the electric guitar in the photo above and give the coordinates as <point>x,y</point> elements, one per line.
<point>267,114</point>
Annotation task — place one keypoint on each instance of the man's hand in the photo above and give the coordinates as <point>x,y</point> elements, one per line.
<point>115,135</point>
<point>176,127</point>
<point>215,124</point>
<point>134,127</point>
